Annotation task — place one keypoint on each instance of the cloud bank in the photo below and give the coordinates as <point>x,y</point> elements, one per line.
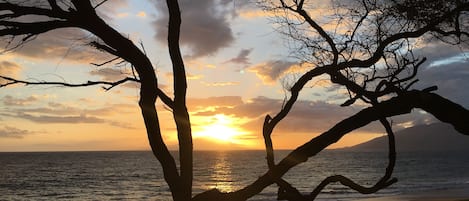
<point>205,26</point>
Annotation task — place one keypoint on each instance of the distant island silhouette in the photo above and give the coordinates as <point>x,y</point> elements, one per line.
<point>432,137</point>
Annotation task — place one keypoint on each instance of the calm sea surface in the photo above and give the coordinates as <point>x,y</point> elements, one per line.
<point>137,175</point>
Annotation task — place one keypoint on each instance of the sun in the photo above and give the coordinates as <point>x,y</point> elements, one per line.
<point>221,129</point>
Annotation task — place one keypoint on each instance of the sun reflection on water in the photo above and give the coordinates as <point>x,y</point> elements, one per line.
<point>221,174</point>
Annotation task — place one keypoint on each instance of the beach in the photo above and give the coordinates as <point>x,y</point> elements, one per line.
<point>460,194</point>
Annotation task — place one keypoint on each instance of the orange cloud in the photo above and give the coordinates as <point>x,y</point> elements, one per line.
<point>11,132</point>
<point>220,84</point>
<point>270,71</point>
<point>10,69</point>
<point>194,77</point>
<point>142,14</point>
<point>11,101</point>
<point>59,113</point>
<point>252,14</point>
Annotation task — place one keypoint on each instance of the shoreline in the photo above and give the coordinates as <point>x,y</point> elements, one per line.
<point>459,194</point>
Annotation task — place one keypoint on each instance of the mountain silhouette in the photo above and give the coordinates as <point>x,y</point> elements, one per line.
<point>432,137</point>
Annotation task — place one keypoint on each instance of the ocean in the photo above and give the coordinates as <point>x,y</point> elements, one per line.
<point>136,175</point>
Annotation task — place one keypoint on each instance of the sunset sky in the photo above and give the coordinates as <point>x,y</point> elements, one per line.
<point>237,64</point>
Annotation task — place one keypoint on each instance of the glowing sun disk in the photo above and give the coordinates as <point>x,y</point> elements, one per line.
<point>221,130</point>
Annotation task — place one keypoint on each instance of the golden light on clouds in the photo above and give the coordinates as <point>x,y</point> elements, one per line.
<point>141,14</point>
<point>220,84</point>
<point>122,15</point>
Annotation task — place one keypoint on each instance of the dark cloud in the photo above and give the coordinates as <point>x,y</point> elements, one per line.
<point>250,109</point>
<point>11,132</point>
<point>11,101</point>
<point>60,119</point>
<point>236,7</point>
<point>8,68</point>
<point>242,57</point>
<point>116,74</point>
<point>124,125</point>
<point>68,44</point>
<point>433,50</point>
<point>53,110</point>
<point>271,71</point>
<point>70,119</point>
<point>446,67</point>
<point>305,117</point>
<point>111,74</point>
<point>61,113</point>
<point>451,79</point>
<point>205,28</point>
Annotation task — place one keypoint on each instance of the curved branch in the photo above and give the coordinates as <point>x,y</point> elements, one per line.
<point>441,108</point>
<point>11,25</point>
<point>300,11</point>
<point>402,35</point>
<point>30,29</point>
<point>384,182</point>
<point>83,15</point>
<point>287,192</point>
<point>351,184</point>
<point>105,48</point>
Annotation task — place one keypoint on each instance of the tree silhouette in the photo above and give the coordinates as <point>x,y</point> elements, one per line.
<point>371,56</point>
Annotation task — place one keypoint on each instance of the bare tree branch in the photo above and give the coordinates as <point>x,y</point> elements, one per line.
<point>106,62</point>
<point>384,182</point>
<point>12,81</point>
<point>105,48</point>
<point>82,15</point>
<point>299,9</point>
<point>440,107</point>
<point>100,3</point>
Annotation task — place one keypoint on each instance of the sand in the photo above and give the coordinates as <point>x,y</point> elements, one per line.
<point>461,194</point>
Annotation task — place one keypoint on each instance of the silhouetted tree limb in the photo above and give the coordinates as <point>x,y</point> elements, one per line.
<point>287,192</point>
<point>389,84</point>
<point>100,3</point>
<point>299,10</point>
<point>81,14</point>
<point>105,48</point>
<point>375,54</point>
<point>384,182</point>
<point>12,81</point>
<point>31,29</point>
<point>351,184</point>
<point>402,104</point>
